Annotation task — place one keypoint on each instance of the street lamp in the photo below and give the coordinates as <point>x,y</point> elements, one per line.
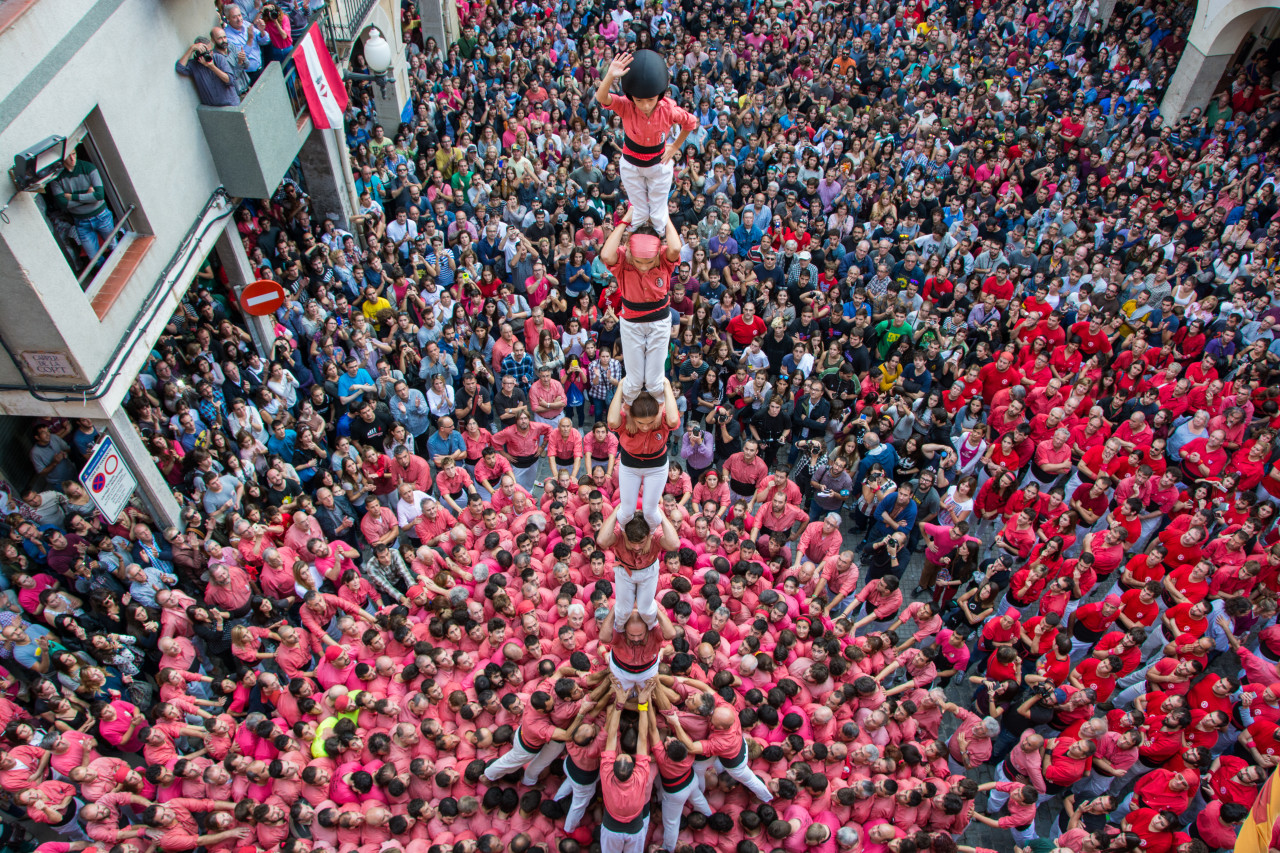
<point>378,57</point>
<point>377,53</point>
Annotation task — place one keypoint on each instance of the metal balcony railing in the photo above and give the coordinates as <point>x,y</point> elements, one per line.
<point>105,248</point>
<point>341,20</point>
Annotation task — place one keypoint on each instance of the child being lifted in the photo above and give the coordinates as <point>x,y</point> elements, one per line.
<point>643,269</point>
<point>647,116</point>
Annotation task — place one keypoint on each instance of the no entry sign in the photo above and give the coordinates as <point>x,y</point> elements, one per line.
<point>108,479</point>
<point>261,298</point>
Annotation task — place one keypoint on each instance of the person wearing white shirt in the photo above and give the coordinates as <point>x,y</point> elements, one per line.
<point>409,507</point>
<point>402,231</point>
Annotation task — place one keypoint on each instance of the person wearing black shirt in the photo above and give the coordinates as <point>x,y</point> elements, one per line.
<point>725,427</point>
<point>804,327</point>
<point>470,402</point>
<point>857,354</point>
<point>508,402</point>
<point>369,425</point>
<point>768,269</point>
<point>777,345</point>
<point>772,429</point>
<point>280,489</point>
<point>540,228</point>
<point>608,332</point>
<point>610,185</point>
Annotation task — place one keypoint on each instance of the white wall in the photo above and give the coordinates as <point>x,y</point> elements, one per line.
<point>116,56</point>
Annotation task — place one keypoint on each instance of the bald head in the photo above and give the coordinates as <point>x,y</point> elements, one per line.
<point>723,717</point>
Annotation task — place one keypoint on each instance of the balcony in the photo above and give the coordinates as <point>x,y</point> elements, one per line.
<point>342,20</point>
<point>254,143</point>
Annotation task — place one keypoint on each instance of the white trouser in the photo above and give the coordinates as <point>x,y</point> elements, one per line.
<point>1149,528</point>
<point>995,797</point>
<point>644,357</point>
<point>635,590</point>
<point>647,188</point>
<point>630,480</point>
<point>624,842</point>
<point>673,807</point>
<point>526,478</point>
<point>1153,646</point>
<point>518,757</point>
<point>1094,785</point>
<point>742,773</point>
<point>551,422</point>
<point>582,796</point>
<point>632,680</point>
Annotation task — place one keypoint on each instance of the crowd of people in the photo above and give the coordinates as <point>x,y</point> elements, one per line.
<point>725,428</point>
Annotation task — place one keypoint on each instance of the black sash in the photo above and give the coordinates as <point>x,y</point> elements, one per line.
<point>738,759</point>
<point>658,460</point>
<point>632,826</point>
<point>644,155</point>
<point>524,743</point>
<point>626,667</point>
<point>679,783</point>
<point>648,312</point>
<point>577,774</point>
<point>524,461</point>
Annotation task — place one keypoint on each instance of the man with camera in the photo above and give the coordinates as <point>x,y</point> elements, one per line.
<point>211,72</point>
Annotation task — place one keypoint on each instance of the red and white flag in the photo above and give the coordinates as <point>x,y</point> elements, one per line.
<point>321,80</point>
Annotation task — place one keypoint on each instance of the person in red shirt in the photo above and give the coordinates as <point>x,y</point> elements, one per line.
<point>1050,328</point>
<point>625,783</point>
<point>643,270</point>
<point>1153,828</point>
<point>1205,458</point>
<point>638,549</point>
<point>1093,339</point>
<point>1100,675</point>
<point>746,327</point>
<point>677,777</point>
<point>1001,285</point>
<point>537,740</point>
<point>1066,762</point>
<point>997,375</point>
<point>643,433</point>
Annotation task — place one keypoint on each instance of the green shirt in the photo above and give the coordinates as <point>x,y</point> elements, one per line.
<point>889,336</point>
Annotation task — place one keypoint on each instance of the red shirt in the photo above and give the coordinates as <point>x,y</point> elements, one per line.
<point>1214,460</point>
<point>1091,343</point>
<point>1179,554</point>
<point>742,332</point>
<point>646,296</point>
<point>625,800</point>
<point>1139,822</point>
<point>1063,769</point>
<point>993,379</point>
<point>1087,673</point>
<point>640,657</point>
<point>645,449</point>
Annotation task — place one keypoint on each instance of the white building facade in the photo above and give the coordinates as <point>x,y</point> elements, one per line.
<point>101,74</point>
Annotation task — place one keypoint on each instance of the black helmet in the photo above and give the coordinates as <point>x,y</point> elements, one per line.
<point>647,76</point>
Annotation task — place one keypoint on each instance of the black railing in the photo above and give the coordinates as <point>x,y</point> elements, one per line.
<point>341,20</point>
<point>105,247</point>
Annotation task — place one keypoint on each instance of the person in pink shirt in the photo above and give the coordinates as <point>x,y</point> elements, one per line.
<point>547,399</point>
<point>882,598</point>
<point>820,541</point>
<point>927,622</point>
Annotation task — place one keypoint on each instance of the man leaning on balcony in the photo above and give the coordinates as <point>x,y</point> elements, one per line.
<point>211,72</point>
<point>246,40</point>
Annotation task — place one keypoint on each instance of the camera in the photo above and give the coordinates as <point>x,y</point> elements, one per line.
<point>271,12</point>
<point>202,55</point>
